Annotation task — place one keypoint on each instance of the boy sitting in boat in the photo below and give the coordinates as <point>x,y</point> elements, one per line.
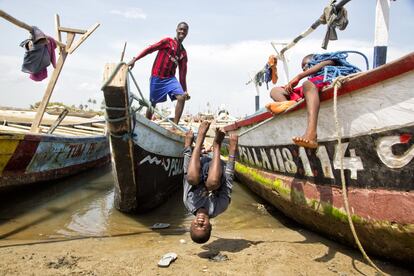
<point>207,181</point>
<point>320,70</point>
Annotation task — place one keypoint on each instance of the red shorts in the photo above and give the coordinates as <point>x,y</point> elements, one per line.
<point>297,93</point>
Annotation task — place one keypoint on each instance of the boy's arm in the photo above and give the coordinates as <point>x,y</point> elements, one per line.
<point>315,69</point>
<point>157,46</point>
<point>182,69</point>
<point>223,197</point>
<point>292,84</point>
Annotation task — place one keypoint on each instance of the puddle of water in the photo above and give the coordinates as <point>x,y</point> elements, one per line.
<point>82,205</point>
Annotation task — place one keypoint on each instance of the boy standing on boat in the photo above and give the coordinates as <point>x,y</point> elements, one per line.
<point>207,181</point>
<point>320,70</point>
<point>171,54</point>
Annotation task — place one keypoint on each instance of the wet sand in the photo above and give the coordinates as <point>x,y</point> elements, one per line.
<point>71,228</point>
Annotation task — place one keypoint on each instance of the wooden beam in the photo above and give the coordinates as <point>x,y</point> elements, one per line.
<point>123,52</point>
<point>382,19</point>
<point>83,38</point>
<point>50,86</point>
<point>15,21</point>
<point>58,121</point>
<point>120,79</point>
<point>69,40</point>
<point>58,34</point>
<point>94,129</point>
<point>71,30</point>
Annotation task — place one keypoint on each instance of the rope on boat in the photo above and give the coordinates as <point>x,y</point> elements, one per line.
<point>142,101</point>
<point>337,84</point>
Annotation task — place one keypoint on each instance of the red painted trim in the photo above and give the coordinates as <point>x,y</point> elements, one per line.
<point>381,73</point>
<point>22,156</point>
<point>28,178</point>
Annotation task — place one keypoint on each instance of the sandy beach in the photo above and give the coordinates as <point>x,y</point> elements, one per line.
<point>263,251</point>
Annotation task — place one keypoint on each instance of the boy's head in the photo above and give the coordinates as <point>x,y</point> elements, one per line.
<point>182,31</point>
<point>200,229</point>
<point>305,62</point>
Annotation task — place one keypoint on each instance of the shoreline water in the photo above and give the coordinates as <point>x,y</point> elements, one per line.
<point>71,228</point>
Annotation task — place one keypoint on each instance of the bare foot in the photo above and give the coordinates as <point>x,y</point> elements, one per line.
<point>218,138</point>
<point>279,107</point>
<point>305,142</point>
<point>203,128</point>
<point>189,137</point>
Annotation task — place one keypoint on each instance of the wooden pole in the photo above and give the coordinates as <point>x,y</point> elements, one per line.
<point>15,21</point>
<point>72,48</point>
<point>58,33</point>
<point>257,98</point>
<point>381,32</point>
<point>123,52</point>
<point>50,86</point>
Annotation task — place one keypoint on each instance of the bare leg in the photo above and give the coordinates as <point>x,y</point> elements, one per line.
<point>278,94</point>
<point>312,104</point>
<point>215,171</point>
<point>193,173</point>
<point>179,107</point>
<point>148,114</point>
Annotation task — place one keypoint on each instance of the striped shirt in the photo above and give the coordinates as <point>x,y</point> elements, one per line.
<point>168,58</point>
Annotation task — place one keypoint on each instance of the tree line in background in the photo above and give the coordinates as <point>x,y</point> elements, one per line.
<point>90,106</point>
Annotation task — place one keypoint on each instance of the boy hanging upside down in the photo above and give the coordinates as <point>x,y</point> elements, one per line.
<point>207,181</point>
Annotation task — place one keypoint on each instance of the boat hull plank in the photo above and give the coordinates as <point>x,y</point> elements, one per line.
<point>147,159</point>
<point>31,158</point>
<point>325,214</point>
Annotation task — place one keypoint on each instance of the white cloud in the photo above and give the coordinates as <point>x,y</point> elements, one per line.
<point>133,13</point>
<point>217,73</point>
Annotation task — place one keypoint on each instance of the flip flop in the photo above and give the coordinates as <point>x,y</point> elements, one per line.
<point>279,107</point>
<point>160,225</point>
<point>167,259</point>
<point>311,144</point>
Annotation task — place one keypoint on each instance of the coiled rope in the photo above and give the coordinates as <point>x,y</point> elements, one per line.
<point>337,83</point>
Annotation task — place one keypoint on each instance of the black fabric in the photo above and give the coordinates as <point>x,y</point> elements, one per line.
<point>36,58</point>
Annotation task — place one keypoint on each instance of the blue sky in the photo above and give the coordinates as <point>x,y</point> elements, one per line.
<point>227,42</point>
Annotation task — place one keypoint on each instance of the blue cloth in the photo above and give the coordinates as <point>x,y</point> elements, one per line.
<point>197,196</point>
<point>161,87</point>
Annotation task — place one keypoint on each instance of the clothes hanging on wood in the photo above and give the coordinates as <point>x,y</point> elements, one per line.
<point>40,53</point>
<point>333,18</point>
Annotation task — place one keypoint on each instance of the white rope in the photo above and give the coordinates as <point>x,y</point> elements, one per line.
<point>337,84</point>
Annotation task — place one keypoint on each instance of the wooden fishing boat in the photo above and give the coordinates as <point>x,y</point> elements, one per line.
<point>27,157</point>
<point>35,148</point>
<point>147,159</point>
<point>376,114</point>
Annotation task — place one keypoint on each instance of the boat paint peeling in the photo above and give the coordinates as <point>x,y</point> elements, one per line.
<point>29,158</point>
<point>295,195</point>
<point>8,147</point>
<point>275,185</point>
<point>384,238</point>
<point>302,198</point>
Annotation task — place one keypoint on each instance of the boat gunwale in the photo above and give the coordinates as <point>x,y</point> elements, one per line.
<point>387,71</point>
